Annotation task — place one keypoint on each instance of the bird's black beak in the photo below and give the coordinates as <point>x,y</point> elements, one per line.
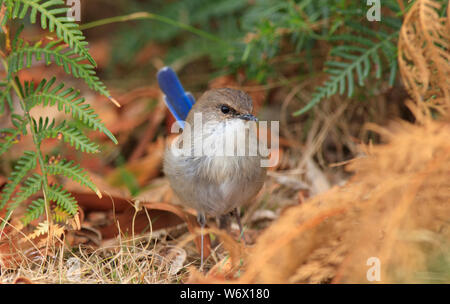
<point>248,117</point>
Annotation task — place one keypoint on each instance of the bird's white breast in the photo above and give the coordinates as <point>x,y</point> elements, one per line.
<point>214,182</point>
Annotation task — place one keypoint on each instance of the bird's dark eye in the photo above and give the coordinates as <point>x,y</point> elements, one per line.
<point>225,109</point>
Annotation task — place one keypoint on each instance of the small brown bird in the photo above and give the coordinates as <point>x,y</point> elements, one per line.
<point>216,183</point>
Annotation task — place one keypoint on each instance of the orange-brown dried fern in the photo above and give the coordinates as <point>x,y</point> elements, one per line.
<point>395,208</point>
<point>424,54</point>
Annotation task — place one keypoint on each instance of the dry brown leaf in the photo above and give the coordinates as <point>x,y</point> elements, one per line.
<point>100,50</point>
<point>22,280</point>
<point>14,250</point>
<point>3,180</point>
<point>112,197</point>
<point>222,270</point>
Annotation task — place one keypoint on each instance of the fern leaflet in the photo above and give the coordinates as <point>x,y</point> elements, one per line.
<point>26,163</point>
<point>31,185</point>
<point>356,59</point>
<point>5,95</point>
<point>73,136</point>
<point>64,27</point>
<point>68,100</point>
<point>68,169</point>
<point>63,199</point>
<point>14,134</point>
<point>34,210</point>
<point>55,51</point>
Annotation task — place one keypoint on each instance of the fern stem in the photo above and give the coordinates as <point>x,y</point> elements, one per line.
<point>146,15</point>
<point>36,143</point>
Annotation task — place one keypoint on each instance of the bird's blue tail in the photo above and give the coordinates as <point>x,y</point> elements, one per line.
<point>177,100</point>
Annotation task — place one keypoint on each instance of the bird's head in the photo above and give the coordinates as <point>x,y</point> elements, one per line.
<point>223,105</point>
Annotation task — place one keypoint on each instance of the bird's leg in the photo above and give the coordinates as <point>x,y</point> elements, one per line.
<point>238,220</point>
<point>202,221</point>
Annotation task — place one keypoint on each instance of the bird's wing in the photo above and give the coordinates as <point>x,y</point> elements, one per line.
<point>177,100</point>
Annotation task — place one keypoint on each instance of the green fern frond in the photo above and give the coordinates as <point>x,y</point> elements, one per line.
<point>31,185</point>
<point>63,199</point>
<point>70,52</point>
<point>74,172</point>
<point>57,52</point>
<point>73,136</point>
<point>13,137</point>
<point>26,163</point>
<point>41,127</point>
<point>68,100</point>
<point>34,211</point>
<point>54,16</point>
<point>5,95</point>
<point>355,61</point>
<point>20,124</point>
